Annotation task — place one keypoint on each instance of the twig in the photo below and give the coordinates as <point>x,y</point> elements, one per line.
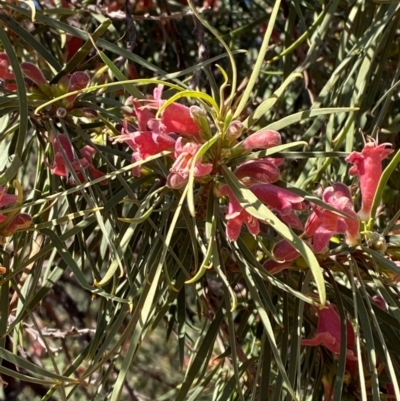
<point>121,15</point>
<point>130,26</point>
<point>202,51</point>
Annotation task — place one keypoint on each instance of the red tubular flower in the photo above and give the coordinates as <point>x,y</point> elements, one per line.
<point>10,223</point>
<point>260,170</point>
<point>176,118</point>
<point>6,199</point>
<point>284,252</point>
<point>145,143</point>
<point>88,153</point>
<point>329,333</point>
<point>60,167</point>
<point>368,166</point>
<point>5,73</point>
<point>72,45</point>
<point>184,154</point>
<point>143,115</point>
<point>323,224</point>
<point>237,216</point>
<point>281,201</point>
<point>149,143</point>
<point>18,222</point>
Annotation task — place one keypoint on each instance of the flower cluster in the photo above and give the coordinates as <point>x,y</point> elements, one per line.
<point>12,221</point>
<point>154,127</point>
<point>41,90</point>
<point>176,131</point>
<point>62,150</point>
<point>259,176</point>
<point>322,224</point>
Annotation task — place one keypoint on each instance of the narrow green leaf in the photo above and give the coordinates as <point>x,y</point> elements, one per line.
<point>31,41</point>
<point>31,367</point>
<point>11,170</point>
<point>21,91</point>
<point>382,184</point>
<point>190,185</point>
<point>303,115</point>
<point>120,76</point>
<point>259,62</point>
<point>267,104</point>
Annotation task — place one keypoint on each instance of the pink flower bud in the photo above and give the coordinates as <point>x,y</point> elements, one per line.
<point>200,118</point>
<point>262,140</point>
<point>285,253</point>
<point>33,73</point>
<point>78,80</point>
<point>234,131</point>
<point>379,302</point>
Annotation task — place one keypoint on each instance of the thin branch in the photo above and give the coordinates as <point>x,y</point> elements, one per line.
<point>121,15</point>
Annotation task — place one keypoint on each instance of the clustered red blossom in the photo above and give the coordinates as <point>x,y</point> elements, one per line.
<point>63,150</point>
<point>329,335</point>
<point>322,224</point>
<point>154,127</point>
<point>38,85</point>
<point>175,130</point>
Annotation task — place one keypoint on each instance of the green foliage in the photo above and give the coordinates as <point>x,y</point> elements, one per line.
<point>128,286</point>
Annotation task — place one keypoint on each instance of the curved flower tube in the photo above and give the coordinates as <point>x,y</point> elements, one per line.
<point>284,252</point>
<point>258,171</point>
<point>13,221</point>
<point>184,154</point>
<point>368,166</point>
<point>329,333</point>
<point>237,216</point>
<point>59,166</point>
<point>280,200</point>
<point>323,224</point>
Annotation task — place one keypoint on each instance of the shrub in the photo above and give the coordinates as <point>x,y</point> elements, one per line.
<point>160,184</point>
